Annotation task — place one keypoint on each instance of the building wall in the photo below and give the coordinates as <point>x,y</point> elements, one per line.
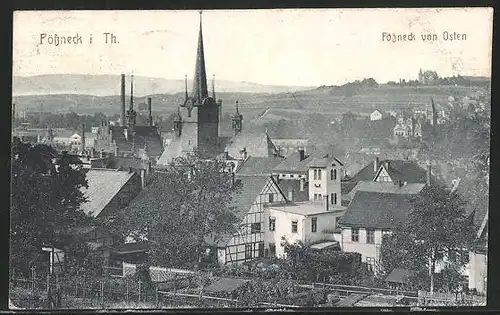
<point>325,186</point>
<point>362,247</point>
<point>326,224</point>
<point>235,248</point>
<point>376,115</point>
<point>283,229</point>
<point>478,271</point>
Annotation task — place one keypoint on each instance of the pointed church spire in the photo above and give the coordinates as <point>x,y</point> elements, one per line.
<point>200,90</point>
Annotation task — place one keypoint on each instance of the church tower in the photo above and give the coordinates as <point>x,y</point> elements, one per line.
<point>206,107</point>
<point>237,121</point>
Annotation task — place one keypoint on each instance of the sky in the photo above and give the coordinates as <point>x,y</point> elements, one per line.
<point>278,47</point>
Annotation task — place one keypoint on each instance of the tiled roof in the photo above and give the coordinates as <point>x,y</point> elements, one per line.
<point>404,170</point>
<point>250,190</point>
<point>306,208</point>
<point>103,184</point>
<point>377,210</point>
<point>391,188</point>
<point>226,285</point>
<point>258,166</point>
<point>292,163</point>
<point>129,248</point>
<point>256,144</point>
<point>323,160</point>
<point>143,134</point>
<point>399,275</point>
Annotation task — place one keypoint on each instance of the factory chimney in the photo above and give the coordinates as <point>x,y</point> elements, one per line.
<point>122,94</point>
<point>83,139</point>
<point>150,118</point>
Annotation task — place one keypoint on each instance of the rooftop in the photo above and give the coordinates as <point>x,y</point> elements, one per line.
<point>370,209</point>
<point>103,185</point>
<point>258,166</point>
<point>391,188</point>
<point>306,208</point>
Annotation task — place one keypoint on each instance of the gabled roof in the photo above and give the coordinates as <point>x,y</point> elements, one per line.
<point>250,190</point>
<point>256,144</point>
<point>324,161</point>
<point>391,188</point>
<point>404,170</point>
<point>103,184</point>
<point>377,210</point>
<point>292,163</point>
<point>143,135</point>
<point>258,166</point>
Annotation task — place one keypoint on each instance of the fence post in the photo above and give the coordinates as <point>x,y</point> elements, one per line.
<point>157,296</point>
<point>139,290</point>
<point>126,286</point>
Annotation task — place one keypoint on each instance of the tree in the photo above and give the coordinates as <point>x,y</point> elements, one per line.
<point>190,210</point>
<point>437,231</point>
<point>45,201</point>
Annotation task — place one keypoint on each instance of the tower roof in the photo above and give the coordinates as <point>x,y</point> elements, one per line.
<point>200,90</point>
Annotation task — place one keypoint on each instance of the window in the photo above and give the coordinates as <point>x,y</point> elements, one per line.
<point>294,226</point>
<point>272,224</point>
<point>290,195</point>
<point>261,249</point>
<point>370,262</point>
<point>355,235</point>
<point>272,250</point>
<point>248,251</point>
<point>255,228</point>
<point>333,174</point>
<point>302,185</point>
<point>334,198</point>
<point>315,174</point>
<point>291,175</point>
<point>271,197</point>
<point>319,174</point>
<point>314,225</point>
<point>315,196</point>
<point>337,219</point>
<point>370,236</point>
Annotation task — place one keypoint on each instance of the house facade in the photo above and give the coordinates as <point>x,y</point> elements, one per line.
<point>376,115</point>
<point>307,222</point>
<point>324,179</point>
<point>248,242</point>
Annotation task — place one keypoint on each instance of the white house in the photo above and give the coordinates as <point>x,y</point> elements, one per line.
<point>374,211</point>
<point>324,179</point>
<point>376,115</point>
<point>308,222</point>
<point>75,139</point>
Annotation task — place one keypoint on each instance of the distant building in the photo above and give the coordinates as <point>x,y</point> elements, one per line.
<point>129,138</point>
<point>427,77</point>
<point>407,127</point>
<point>376,115</point>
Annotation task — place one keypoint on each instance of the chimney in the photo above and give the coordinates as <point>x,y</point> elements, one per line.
<point>83,139</point>
<point>122,95</point>
<point>302,155</point>
<point>130,170</point>
<point>326,202</point>
<point>101,154</point>
<point>232,178</point>
<point>387,164</point>
<point>226,155</point>
<point>150,118</point>
<point>429,173</point>
<point>375,164</point>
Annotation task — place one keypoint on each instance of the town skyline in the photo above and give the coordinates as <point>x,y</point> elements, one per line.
<point>302,47</point>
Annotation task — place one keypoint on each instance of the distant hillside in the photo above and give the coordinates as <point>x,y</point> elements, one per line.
<point>104,85</point>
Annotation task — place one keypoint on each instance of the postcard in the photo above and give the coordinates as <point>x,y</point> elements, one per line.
<point>275,159</point>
